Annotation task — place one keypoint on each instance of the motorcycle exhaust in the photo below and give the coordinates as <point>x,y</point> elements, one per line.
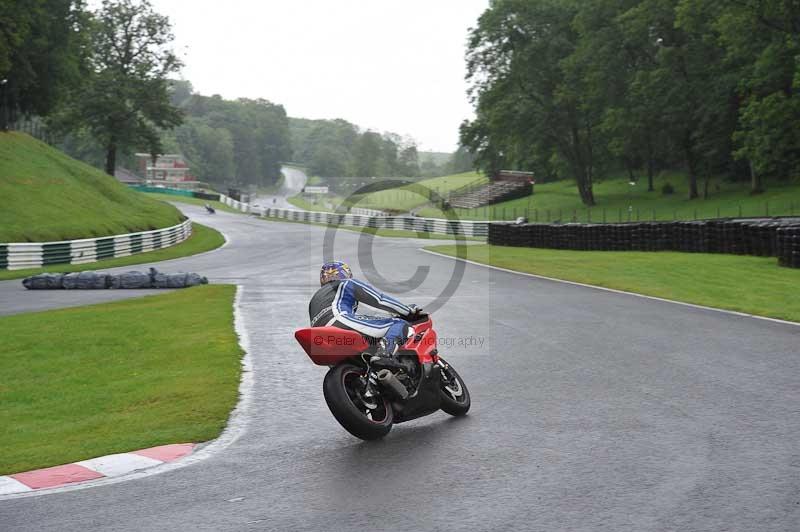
<point>389,382</point>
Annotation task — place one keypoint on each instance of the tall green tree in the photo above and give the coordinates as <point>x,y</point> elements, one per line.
<point>368,155</point>
<point>761,39</point>
<point>125,100</point>
<point>530,103</point>
<point>42,54</point>
<point>257,132</point>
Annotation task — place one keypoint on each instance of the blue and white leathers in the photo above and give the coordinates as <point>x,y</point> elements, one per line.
<point>350,293</point>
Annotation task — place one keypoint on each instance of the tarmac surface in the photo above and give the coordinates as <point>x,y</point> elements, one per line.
<point>294,180</point>
<point>591,410</point>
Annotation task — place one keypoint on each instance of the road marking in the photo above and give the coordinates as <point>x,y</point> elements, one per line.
<point>613,290</point>
<point>119,464</point>
<point>11,485</point>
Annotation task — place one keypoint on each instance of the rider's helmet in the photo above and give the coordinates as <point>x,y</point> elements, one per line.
<point>333,271</point>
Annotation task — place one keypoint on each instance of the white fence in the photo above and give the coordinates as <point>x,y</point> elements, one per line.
<point>403,223</point>
<point>232,203</point>
<point>381,221</point>
<point>18,256</point>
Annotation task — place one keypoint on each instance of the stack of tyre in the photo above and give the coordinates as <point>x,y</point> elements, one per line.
<point>766,238</point>
<point>788,244</point>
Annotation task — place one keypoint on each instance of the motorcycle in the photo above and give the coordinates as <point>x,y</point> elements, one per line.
<point>210,209</point>
<point>368,402</point>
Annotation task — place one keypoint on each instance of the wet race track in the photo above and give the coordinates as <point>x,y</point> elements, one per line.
<point>591,410</point>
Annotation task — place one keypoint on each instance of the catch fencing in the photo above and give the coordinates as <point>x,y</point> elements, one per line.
<point>19,256</point>
<point>775,237</point>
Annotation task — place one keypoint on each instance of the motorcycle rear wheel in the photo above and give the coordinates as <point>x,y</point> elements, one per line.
<point>454,394</point>
<point>341,390</point>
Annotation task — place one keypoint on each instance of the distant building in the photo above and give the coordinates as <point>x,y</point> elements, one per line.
<point>127,177</point>
<point>166,169</point>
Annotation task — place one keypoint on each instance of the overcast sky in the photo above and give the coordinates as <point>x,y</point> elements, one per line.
<point>384,65</point>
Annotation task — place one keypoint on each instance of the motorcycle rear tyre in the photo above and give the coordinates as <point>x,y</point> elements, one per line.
<point>346,413</point>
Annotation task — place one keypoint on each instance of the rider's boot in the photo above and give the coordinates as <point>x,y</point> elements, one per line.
<point>384,359</point>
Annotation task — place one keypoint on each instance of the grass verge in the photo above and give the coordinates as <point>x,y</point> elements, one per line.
<point>754,285</point>
<point>408,197</point>
<point>89,381</point>
<point>618,201</point>
<point>203,239</point>
<point>302,203</point>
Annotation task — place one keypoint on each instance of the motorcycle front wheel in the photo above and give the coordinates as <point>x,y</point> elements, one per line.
<point>363,417</point>
<point>453,392</point>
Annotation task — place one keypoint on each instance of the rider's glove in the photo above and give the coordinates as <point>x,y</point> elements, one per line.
<point>414,312</point>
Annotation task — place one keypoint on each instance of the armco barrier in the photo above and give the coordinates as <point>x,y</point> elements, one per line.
<point>404,223</point>
<point>18,256</point>
<point>232,203</point>
<point>769,237</point>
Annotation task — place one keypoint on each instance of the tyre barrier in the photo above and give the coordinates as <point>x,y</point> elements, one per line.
<point>102,280</point>
<point>19,256</point>
<point>761,237</point>
<point>401,223</point>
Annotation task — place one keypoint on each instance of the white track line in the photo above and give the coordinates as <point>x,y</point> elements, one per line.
<point>12,485</point>
<point>236,426</point>
<point>613,290</point>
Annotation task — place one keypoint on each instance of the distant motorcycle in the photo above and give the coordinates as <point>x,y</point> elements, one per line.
<point>210,209</point>
<point>367,402</point>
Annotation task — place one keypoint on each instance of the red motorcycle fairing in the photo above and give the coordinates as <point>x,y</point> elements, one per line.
<point>423,342</point>
<point>327,346</point>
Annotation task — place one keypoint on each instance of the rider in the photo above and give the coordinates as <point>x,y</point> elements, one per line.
<point>335,305</point>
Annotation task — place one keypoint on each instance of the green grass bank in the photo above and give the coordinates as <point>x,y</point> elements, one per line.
<point>400,199</point>
<point>47,196</point>
<point>89,381</point>
<point>754,285</point>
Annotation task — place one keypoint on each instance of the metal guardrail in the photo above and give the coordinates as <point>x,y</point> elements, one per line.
<point>403,223</point>
<point>23,255</point>
<point>234,204</point>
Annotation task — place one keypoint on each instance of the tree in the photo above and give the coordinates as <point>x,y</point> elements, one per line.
<point>530,102</point>
<point>125,100</point>
<point>209,150</point>
<point>461,161</point>
<point>761,39</point>
<point>368,155</point>
<point>41,54</point>
<point>408,162</point>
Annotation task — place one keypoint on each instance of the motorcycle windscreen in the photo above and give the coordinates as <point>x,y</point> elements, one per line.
<point>327,346</point>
